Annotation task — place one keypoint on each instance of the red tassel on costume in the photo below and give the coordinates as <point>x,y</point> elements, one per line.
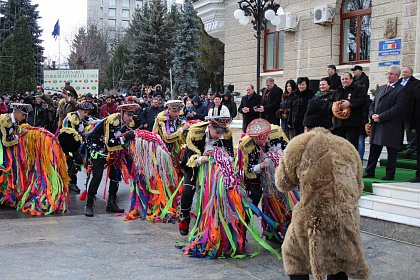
<point>83,195</point>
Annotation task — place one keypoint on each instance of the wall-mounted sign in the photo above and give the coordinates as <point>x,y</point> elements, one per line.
<point>389,63</point>
<point>390,47</point>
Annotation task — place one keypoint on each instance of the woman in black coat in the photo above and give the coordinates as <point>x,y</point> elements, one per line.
<point>230,104</point>
<point>302,95</point>
<point>286,106</point>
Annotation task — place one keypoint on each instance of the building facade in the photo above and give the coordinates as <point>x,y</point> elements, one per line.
<point>370,33</point>
<point>114,16</point>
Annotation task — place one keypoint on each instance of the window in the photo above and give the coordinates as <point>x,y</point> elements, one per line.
<point>139,4</point>
<point>126,3</point>
<point>112,23</point>
<point>355,31</point>
<point>112,12</point>
<point>112,3</point>
<point>125,24</point>
<point>126,13</point>
<point>273,49</point>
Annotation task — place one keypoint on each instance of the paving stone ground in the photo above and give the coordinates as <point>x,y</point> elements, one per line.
<point>105,247</point>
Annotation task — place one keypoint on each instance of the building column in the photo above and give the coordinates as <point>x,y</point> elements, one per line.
<point>417,54</point>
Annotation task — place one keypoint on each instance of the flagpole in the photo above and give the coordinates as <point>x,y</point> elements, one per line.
<point>59,51</point>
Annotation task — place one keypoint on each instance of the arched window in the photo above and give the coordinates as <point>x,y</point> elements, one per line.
<point>355,31</point>
<point>273,48</point>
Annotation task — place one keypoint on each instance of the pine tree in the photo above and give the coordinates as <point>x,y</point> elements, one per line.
<point>24,57</point>
<point>11,11</point>
<point>172,22</point>
<point>185,62</point>
<point>148,55</point>
<point>6,65</point>
<point>115,69</point>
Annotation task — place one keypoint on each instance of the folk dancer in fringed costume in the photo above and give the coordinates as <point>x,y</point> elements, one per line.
<point>107,137</point>
<point>222,208</point>
<point>71,137</point>
<point>154,179</point>
<point>260,151</point>
<point>33,171</point>
<point>171,126</point>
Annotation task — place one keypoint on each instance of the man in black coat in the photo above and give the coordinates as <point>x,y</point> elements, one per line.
<point>354,97</point>
<point>411,85</point>
<point>415,126</point>
<point>335,81</point>
<point>38,116</point>
<point>148,116</point>
<point>271,100</point>
<point>386,113</point>
<point>249,104</point>
<point>360,78</point>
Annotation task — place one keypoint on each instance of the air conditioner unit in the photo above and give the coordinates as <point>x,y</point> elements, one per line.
<point>324,14</point>
<point>288,22</point>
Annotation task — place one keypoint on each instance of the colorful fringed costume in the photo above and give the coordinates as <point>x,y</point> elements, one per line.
<point>105,139</point>
<point>153,177</point>
<point>259,182</point>
<point>172,134</point>
<point>33,170</point>
<point>223,213</point>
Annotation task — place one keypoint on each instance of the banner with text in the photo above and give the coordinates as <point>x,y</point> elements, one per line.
<point>84,81</point>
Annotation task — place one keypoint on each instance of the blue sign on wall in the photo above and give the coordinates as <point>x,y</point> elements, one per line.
<point>389,63</point>
<point>390,47</point>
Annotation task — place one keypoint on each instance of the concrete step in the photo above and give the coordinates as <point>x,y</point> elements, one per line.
<point>379,215</point>
<point>401,191</point>
<point>391,205</point>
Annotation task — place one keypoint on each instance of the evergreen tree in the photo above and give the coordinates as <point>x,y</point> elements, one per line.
<point>211,59</point>
<point>172,21</point>
<point>11,11</point>
<point>185,62</point>
<point>24,57</point>
<point>135,71</point>
<point>115,69</point>
<point>6,65</point>
<point>148,53</point>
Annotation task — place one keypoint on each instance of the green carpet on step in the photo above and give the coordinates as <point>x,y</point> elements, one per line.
<point>402,163</point>
<point>401,175</point>
<point>403,155</point>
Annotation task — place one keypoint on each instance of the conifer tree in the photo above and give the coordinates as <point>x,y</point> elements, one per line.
<point>185,61</point>
<point>11,11</point>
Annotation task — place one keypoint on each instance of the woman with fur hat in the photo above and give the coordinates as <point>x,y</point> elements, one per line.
<point>324,235</point>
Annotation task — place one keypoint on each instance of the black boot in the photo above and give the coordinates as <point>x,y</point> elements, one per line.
<point>112,205</point>
<point>89,206</point>
<point>74,188</point>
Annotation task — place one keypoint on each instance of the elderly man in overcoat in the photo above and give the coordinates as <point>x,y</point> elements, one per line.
<point>386,114</point>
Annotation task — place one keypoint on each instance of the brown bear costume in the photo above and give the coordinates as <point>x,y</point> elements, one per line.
<point>324,236</point>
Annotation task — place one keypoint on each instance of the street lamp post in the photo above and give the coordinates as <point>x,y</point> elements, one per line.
<point>261,11</point>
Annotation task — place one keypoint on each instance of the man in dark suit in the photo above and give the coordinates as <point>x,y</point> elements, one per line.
<point>386,113</point>
<point>271,100</point>
<point>410,83</point>
<point>356,98</point>
<point>249,104</point>
<point>415,126</point>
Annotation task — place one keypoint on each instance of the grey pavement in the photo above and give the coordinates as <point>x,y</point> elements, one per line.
<point>106,247</point>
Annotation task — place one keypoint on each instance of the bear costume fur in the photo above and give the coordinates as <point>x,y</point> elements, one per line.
<point>324,236</point>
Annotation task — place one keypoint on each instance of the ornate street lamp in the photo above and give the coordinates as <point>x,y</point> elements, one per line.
<point>261,11</point>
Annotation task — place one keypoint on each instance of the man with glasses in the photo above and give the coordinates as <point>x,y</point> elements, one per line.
<point>386,115</point>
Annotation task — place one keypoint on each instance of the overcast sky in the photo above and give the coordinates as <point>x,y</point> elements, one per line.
<point>72,15</point>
